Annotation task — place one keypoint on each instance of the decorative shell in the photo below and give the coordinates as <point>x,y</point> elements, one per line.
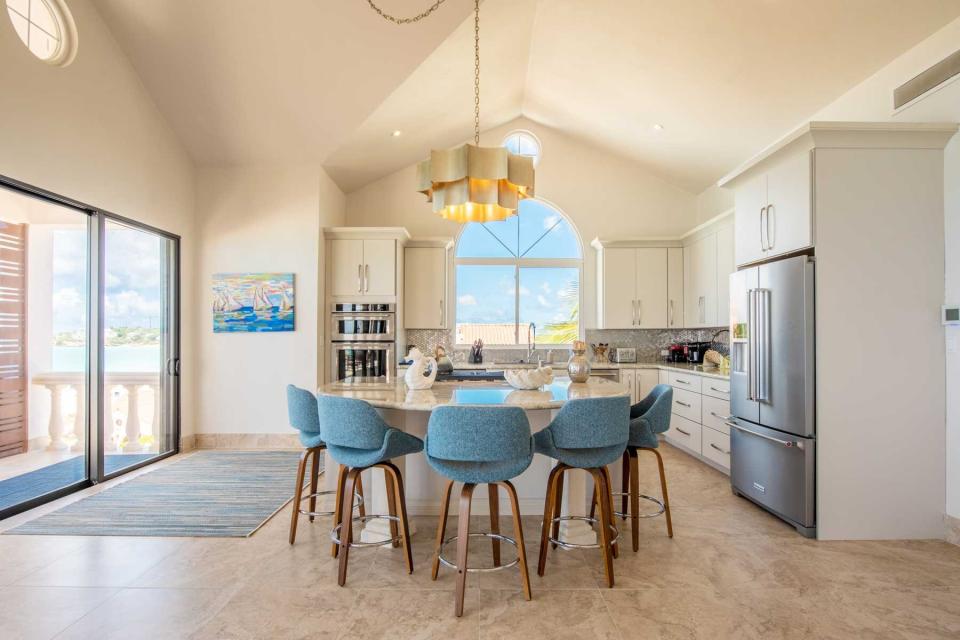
<point>528,378</point>
<point>713,357</point>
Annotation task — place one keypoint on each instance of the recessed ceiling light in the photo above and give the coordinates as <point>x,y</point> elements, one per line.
<point>658,127</point>
<point>396,134</point>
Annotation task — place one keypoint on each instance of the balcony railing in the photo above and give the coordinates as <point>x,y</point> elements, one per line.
<point>126,395</point>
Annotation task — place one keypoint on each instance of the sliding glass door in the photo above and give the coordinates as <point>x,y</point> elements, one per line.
<point>89,346</point>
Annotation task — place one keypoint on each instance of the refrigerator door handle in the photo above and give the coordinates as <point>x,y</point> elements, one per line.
<point>786,443</point>
<point>751,344</point>
<point>763,344</point>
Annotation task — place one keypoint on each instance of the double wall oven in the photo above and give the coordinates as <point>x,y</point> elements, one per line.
<point>363,341</point>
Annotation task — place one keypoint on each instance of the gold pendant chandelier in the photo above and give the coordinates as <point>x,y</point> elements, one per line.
<point>471,183</point>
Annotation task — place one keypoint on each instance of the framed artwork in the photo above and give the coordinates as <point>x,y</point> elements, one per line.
<point>253,302</point>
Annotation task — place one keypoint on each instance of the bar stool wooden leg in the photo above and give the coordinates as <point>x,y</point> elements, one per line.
<point>338,514</point>
<point>557,508</point>
<point>625,484</point>
<point>518,534</point>
<point>463,542</point>
<point>615,547</point>
<point>663,489</point>
<point>391,506</point>
<point>593,503</point>
<point>401,502</point>
<point>634,498</point>
<point>298,494</point>
<point>441,529</point>
<point>605,521</point>
<point>363,507</point>
<point>314,477</point>
<point>493,493</point>
<point>547,516</point>
<point>346,530</point>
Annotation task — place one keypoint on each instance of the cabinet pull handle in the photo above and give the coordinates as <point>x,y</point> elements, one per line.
<point>763,228</point>
<point>366,277</point>
<point>726,453</point>
<point>633,308</point>
<point>771,237</point>
<point>441,312</point>
<point>359,278</point>
<point>681,381</point>
<point>639,312</point>
<point>686,433</point>
<point>684,404</point>
<point>712,388</point>
<point>671,314</point>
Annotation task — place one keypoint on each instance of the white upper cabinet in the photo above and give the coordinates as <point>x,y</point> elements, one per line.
<point>774,215</point>
<point>346,267</point>
<point>674,287</point>
<point>380,267</point>
<point>362,262</point>
<point>700,282</point>
<point>425,288</point>
<point>725,266</point>
<point>651,297</point>
<point>632,287</point>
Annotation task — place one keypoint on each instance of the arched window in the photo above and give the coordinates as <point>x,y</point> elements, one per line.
<point>519,271</point>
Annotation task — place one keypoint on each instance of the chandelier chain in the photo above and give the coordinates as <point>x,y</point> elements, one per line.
<point>417,18</point>
<point>476,72</point>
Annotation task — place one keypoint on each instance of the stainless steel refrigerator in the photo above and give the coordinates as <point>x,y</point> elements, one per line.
<point>772,403</point>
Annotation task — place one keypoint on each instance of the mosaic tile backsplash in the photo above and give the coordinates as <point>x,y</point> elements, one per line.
<point>648,342</point>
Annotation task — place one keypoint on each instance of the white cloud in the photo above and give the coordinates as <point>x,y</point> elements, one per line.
<point>543,301</point>
<point>546,288</point>
<point>467,300</point>
<point>549,221</point>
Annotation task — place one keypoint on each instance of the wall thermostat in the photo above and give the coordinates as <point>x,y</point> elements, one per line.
<point>950,314</point>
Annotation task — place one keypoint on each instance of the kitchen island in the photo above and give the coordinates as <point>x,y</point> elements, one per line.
<point>409,411</point>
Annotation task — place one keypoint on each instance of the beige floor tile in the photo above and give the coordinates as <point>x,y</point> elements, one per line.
<point>412,615</point>
<point>854,612</point>
<point>256,612</point>
<point>103,562</point>
<point>157,614</point>
<point>306,564</point>
<point>22,555</point>
<point>202,563</point>
<point>555,614</point>
<point>28,613</point>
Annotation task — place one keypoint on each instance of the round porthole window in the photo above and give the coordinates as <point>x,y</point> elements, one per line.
<point>523,143</point>
<point>46,28</point>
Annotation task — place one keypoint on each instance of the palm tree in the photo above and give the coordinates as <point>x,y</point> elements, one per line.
<point>566,331</point>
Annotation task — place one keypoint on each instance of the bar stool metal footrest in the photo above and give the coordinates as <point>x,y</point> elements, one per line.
<point>656,501</point>
<point>492,536</point>
<point>335,532</point>
<point>320,494</point>
<point>572,545</point>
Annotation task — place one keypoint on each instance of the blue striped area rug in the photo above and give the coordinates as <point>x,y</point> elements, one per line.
<point>216,494</point>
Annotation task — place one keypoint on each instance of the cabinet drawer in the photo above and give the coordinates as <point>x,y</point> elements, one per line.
<point>716,388</point>
<point>686,404</point>
<point>713,413</point>
<point>716,446</point>
<point>684,381</point>
<point>685,433</point>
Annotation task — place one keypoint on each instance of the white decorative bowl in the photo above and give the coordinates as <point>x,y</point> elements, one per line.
<point>528,378</point>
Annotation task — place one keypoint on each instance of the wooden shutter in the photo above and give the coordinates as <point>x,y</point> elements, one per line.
<point>13,338</point>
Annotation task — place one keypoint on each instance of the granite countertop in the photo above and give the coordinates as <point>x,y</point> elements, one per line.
<point>701,370</point>
<point>396,395</point>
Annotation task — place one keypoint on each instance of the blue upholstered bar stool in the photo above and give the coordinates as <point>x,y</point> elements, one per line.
<point>479,445</point>
<point>648,417</point>
<point>304,417</point>
<point>586,434</point>
<point>358,439</point>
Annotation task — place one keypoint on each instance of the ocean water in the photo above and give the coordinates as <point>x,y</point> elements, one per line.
<point>248,320</point>
<point>124,359</point>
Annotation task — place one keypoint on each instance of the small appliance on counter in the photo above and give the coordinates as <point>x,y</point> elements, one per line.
<point>623,354</point>
<point>696,350</point>
<point>677,353</point>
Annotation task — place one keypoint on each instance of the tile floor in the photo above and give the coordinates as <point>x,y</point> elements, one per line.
<point>732,571</point>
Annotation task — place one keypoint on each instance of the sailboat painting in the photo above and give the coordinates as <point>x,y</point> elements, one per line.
<point>253,302</point>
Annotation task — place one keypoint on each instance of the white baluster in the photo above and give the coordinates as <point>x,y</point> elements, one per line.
<point>155,420</point>
<point>55,428</point>
<point>133,417</point>
<point>80,420</point>
<point>112,441</point>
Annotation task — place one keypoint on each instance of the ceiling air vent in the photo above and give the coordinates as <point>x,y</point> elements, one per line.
<point>927,80</point>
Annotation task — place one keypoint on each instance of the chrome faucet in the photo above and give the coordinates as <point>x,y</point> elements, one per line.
<point>531,344</point>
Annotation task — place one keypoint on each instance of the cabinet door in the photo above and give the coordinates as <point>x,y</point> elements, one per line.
<point>750,199</point>
<point>619,288</point>
<point>628,379</point>
<point>380,267</point>
<point>647,379</point>
<point>725,267</point>
<point>424,287</point>
<point>651,288</point>
<point>674,288</point>
<point>700,282</point>
<point>346,265</point>
<point>789,219</point>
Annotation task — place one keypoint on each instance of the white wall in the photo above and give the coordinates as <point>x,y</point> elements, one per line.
<point>91,132</point>
<point>603,194</point>
<point>873,100</point>
<point>260,219</point>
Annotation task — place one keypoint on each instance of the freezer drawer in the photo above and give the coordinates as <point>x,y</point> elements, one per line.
<point>775,470</point>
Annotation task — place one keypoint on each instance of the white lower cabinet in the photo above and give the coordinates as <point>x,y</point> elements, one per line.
<point>700,408</point>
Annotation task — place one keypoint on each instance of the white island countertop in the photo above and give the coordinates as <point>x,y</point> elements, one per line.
<point>396,395</point>
<point>698,369</point>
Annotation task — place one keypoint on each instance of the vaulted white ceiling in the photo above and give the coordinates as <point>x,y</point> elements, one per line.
<point>245,82</point>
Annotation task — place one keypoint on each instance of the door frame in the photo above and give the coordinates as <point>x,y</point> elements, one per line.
<point>96,277</point>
